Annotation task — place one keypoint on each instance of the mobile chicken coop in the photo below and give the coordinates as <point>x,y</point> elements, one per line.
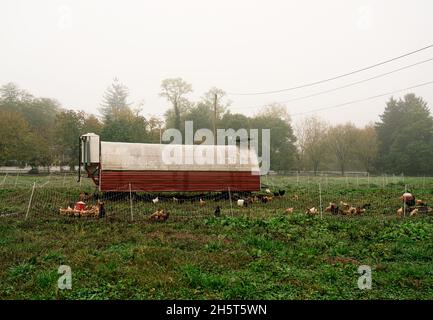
<point>119,166</point>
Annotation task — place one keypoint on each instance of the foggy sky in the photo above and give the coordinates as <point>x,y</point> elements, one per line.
<point>71,50</point>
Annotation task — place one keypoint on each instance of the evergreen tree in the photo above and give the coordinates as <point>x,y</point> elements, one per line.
<point>115,101</point>
<point>405,136</point>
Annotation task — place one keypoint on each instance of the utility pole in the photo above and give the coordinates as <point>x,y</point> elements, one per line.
<point>214,119</point>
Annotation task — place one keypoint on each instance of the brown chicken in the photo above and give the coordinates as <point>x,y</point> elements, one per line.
<point>267,199</point>
<point>360,210</point>
<point>159,215</point>
<point>414,212</point>
<point>332,208</point>
<point>420,202</point>
<point>400,212</point>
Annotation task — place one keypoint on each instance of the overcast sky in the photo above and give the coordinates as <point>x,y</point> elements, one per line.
<point>71,50</point>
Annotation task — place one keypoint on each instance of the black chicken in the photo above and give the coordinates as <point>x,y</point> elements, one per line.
<point>217,211</point>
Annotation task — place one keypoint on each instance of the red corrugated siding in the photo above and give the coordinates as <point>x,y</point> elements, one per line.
<point>179,181</point>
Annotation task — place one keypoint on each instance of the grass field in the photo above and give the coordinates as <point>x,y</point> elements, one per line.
<point>259,252</point>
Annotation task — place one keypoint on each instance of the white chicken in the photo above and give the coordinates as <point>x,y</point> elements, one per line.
<point>312,210</point>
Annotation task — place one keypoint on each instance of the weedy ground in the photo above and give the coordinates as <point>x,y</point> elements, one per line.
<point>259,252</point>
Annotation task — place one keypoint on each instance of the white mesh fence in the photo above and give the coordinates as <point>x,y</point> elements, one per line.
<point>379,195</point>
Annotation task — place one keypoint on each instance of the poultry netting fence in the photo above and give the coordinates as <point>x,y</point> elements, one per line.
<point>44,197</point>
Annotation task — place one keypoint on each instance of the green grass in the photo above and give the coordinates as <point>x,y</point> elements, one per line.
<point>248,253</point>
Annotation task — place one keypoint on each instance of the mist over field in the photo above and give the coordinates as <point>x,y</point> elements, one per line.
<point>331,99</point>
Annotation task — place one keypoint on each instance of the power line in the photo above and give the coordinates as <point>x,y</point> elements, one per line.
<point>332,78</point>
<point>345,86</point>
<point>362,100</point>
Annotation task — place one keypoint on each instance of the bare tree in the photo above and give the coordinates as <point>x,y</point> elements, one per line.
<point>174,90</point>
<point>341,141</point>
<point>276,110</point>
<point>366,147</point>
<point>301,137</point>
<point>311,142</point>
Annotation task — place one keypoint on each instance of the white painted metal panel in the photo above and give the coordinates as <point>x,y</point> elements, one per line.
<point>90,148</point>
<point>94,149</point>
<point>143,156</point>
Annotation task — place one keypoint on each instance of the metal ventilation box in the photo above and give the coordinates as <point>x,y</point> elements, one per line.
<point>90,148</point>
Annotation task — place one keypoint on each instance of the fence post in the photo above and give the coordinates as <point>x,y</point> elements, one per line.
<point>4,179</point>
<point>320,201</point>
<point>404,205</point>
<point>130,201</point>
<point>16,179</point>
<point>31,198</point>
<point>231,205</point>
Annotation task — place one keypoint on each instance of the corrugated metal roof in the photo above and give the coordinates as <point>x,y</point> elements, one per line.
<point>143,156</point>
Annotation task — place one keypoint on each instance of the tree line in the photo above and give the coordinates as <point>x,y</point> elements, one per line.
<point>40,132</point>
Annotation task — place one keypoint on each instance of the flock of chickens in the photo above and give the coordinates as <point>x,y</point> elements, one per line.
<point>343,208</point>
<point>162,215</point>
<point>420,207</point>
<point>94,211</point>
